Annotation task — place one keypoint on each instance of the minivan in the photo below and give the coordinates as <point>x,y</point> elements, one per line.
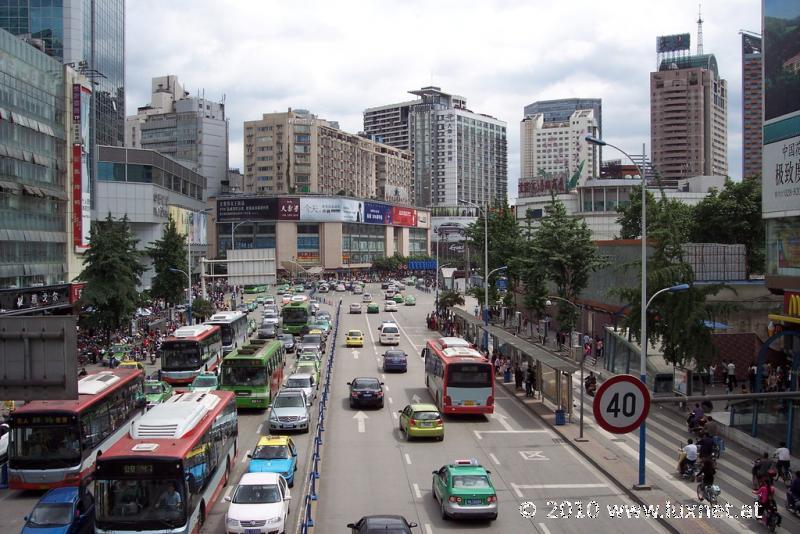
<point>390,334</point>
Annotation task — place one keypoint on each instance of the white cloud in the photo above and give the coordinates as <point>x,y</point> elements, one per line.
<point>337,58</point>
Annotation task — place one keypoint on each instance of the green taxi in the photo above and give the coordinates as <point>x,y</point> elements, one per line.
<point>156,392</point>
<point>204,382</point>
<point>410,300</point>
<point>373,307</point>
<point>421,421</point>
<point>398,298</point>
<point>308,367</point>
<point>464,489</point>
<point>323,325</point>
<point>308,357</point>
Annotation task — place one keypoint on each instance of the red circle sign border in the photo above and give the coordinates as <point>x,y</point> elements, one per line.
<point>599,395</point>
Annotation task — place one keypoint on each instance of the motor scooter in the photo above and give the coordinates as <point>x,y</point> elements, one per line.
<point>591,387</point>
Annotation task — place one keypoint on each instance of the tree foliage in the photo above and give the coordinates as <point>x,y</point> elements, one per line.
<point>202,308</point>
<point>448,299</point>
<point>112,270</point>
<point>562,249</point>
<point>169,252</point>
<point>630,218</point>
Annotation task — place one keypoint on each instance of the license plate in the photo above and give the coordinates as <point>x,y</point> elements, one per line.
<point>252,531</point>
<point>469,403</point>
<point>474,502</point>
<point>288,426</point>
<point>367,395</point>
<point>427,424</point>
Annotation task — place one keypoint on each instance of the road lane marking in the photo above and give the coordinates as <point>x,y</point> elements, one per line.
<point>494,458</point>
<point>391,401</point>
<point>415,398</point>
<point>361,417</point>
<point>479,432</point>
<point>355,354</point>
<point>408,458</point>
<point>503,421</point>
<point>533,455</point>
<point>417,492</point>
<point>383,377</point>
<point>369,329</point>
<point>244,457</point>
<point>394,414</point>
<point>428,529</point>
<point>544,528</point>
<point>518,487</point>
<point>416,347</point>
<point>386,387</point>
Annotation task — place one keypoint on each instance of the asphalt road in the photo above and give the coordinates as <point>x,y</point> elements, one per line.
<point>377,472</point>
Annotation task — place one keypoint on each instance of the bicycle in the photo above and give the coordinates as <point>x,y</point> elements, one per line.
<point>785,474</point>
<point>709,493</point>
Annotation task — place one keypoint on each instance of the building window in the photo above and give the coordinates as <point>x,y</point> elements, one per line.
<point>308,244</point>
<point>362,243</point>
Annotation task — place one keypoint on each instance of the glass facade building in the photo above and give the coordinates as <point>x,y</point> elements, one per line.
<point>33,173</point>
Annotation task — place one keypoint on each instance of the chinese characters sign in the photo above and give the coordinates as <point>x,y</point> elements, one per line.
<point>781,181</point>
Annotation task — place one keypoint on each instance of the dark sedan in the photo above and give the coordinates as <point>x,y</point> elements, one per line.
<point>395,360</point>
<point>366,391</point>
<point>288,342</point>
<point>267,331</point>
<point>373,524</point>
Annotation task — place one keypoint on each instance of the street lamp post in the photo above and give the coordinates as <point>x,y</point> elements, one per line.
<point>485,212</point>
<point>189,223</point>
<point>174,270</point>
<point>583,360</point>
<point>233,230</point>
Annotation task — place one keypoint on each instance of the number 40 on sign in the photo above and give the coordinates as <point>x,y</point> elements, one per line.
<point>621,404</point>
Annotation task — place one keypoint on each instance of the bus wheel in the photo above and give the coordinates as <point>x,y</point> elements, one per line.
<point>201,519</point>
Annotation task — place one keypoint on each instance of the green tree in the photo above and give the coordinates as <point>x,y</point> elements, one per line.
<point>567,255</point>
<point>169,252</point>
<point>112,270</point>
<point>202,308</point>
<point>733,216</point>
<point>630,218</point>
<point>448,299</point>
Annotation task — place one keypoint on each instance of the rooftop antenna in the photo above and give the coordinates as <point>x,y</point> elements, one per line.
<point>699,30</point>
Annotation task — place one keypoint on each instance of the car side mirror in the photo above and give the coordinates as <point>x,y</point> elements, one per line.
<point>26,519</point>
<point>412,525</point>
<point>434,472</point>
<point>287,498</point>
<point>349,525</point>
<point>488,471</point>
<point>382,383</point>
<point>227,498</point>
<point>399,411</point>
<point>249,455</point>
<point>349,384</point>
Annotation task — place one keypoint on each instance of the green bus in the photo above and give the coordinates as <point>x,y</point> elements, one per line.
<point>295,316</point>
<point>255,289</point>
<point>254,373</point>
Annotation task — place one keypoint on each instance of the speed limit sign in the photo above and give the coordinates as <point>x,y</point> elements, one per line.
<point>621,404</point>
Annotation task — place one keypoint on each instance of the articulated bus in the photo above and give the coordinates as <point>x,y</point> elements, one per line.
<point>55,443</point>
<point>234,329</point>
<point>190,351</point>
<point>295,316</point>
<point>254,373</point>
<point>168,473</point>
<point>458,377</point>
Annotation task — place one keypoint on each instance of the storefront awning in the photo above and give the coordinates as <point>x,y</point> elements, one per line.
<point>784,318</point>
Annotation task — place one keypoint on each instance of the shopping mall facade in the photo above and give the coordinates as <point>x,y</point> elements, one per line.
<point>331,232</point>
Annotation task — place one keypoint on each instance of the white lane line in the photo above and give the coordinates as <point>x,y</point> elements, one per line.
<point>244,457</point>
<point>408,458</point>
<point>416,347</point>
<point>383,377</point>
<point>518,487</point>
<point>394,414</point>
<point>503,420</point>
<point>391,401</point>
<point>544,528</point>
<point>369,329</point>
<point>417,492</point>
<point>494,458</point>
<point>386,387</point>
<point>355,354</point>
<point>479,432</point>
<point>428,529</point>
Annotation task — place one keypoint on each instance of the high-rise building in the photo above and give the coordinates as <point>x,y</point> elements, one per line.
<point>752,106</point>
<point>688,118</point>
<point>297,152</point>
<point>458,154</point>
<point>555,155</point>
<point>190,129</point>
<point>562,109</point>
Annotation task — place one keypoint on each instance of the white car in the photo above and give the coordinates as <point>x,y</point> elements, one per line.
<point>390,306</point>
<point>357,290</point>
<point>259,499</point>
<point>355,307</point>
<point>366,298</point>
<point>271,317</point>
<point>323,289</point>
<point>340,288</point>
<point>299,298</point>
<point>389,334</point>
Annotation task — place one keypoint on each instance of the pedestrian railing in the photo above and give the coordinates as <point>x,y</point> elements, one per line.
<point>311,496</point>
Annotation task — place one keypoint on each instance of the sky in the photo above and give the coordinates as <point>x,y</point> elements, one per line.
<point>336,58</point>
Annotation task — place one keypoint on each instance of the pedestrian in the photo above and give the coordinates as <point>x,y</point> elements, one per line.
<point>518,377</point>
<point>752,371</point>
<point>529,385</point>
<point>599,348</point>
<point>732,376</point>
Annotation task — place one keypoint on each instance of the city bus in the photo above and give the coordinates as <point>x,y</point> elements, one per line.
<point>254,373</point>
<point>55,443</point>
<point>166,475</point>
<point>295,316</point>
<point>458,377</point>
<point>190,351</point>
<point>234,329</point>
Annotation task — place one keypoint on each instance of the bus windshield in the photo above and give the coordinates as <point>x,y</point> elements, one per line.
<point>295,315</point>
<point>46,446</point>
<point>180,356</point>
<point>139,504</point>
<point>227,334</point>
<point>244,376</point>
<point>469,375</point>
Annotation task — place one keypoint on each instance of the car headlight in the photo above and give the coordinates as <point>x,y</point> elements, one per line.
<point>273,520</point>
<point>232,522</point>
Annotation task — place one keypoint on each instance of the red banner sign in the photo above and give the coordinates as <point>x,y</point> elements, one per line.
<point>75,291</point>
<point>404,216</point>
<point>77,196</point>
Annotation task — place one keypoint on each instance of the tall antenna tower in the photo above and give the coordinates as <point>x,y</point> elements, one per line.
<point>699,30</point>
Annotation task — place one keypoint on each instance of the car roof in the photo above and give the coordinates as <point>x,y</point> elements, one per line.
<point>424,407</point>
<point>375,378</point>
<point>467,469</point>
<point>387,520</point>
<point>359,332</point>
<point>60,495</point>
<point>298,375</point>
<point>273,440</point>
<point>262,477</point>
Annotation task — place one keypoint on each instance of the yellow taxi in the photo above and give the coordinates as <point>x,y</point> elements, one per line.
<point>131,364</point>
<point>355,338</point>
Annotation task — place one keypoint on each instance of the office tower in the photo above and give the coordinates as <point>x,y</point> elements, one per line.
<point>190,129</point>
<point>297,152</point>
<point>752,106</point>
<point>555,155</point>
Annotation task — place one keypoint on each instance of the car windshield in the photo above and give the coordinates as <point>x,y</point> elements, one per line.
<point>288,338</point>
<point>312,339</point>
<point>354,333</point>
<point>205,382</point>
<point>427,416</point>
<point>244,376</point>
<point>389,330</point>
<point>395,355</point>
<point>272,452</point>
<point>366,383</point>
<point>51,515</point>
<point>295,315</point>
<point>126,504</point>
<point>289,401</point>
<point>153,389</point>
<point>298,383</point>
<point>257,494</point>
<point>470,481</point>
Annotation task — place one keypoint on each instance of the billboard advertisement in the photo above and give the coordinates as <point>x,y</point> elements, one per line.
<point>781,178</point>
<point>423,219</point>
<point>672,43</point>
<point>288,209</point>
<point>404,216</point>
<point>196,223</point>
<point>396,193</point>
<point>330,209</point>
<point>450,229</point>
<point>377,213</point>
<point>81,188</point>
<point>235,209</point>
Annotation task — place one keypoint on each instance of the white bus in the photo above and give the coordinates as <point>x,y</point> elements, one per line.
<point>189,351</point>
<point>234,329</point>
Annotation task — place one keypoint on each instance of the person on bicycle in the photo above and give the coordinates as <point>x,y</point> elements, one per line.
<point>705,447</point>
<point>707,470</point>
<point>766,498</point>
<point>761,470</point>
<point>783,456</point>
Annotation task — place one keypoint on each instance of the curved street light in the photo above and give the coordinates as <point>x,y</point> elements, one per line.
<point>174,270</point>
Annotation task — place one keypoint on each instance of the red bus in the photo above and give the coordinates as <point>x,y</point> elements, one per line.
<point>54,443</point>
<point>190,351</point>
<point>166,475</point>
<point>459,378</point>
